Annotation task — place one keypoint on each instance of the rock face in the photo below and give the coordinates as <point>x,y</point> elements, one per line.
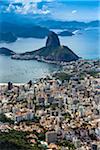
<point>52,40</point>
<point>6,52</point>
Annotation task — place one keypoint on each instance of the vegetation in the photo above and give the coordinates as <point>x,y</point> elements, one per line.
<point>15,140</point>
<point>41,136</point>
<point>62,76</point>
<point>8,37</point>
<point>82,76</point>
<point>93,73</point>
<point>53,106</point>
<point>68,144</point>
<point>60,53</point>
<point>36,119</point>
<point>4,119</point>
<point>67,116</point>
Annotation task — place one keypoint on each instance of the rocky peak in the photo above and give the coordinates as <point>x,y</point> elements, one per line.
<point>52,40</point>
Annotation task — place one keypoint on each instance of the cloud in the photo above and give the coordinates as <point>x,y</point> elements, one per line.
<point>26,7</point>
<point>10,8</point>
<point>32,8</point>
<point>34,1</point>
<point>27,1</point>
<point>74,11</point>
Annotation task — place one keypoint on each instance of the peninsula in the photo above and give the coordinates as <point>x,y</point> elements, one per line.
<point>6,51</point>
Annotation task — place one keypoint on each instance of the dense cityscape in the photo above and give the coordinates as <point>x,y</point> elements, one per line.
<point>49,75</point>
<point>58,112</point>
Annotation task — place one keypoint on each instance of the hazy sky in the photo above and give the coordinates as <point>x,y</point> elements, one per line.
<point>77,10</point>
<point>81,10</point>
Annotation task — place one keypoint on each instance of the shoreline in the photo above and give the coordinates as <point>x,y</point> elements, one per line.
<point>61,64</point>
<point>16,84</point>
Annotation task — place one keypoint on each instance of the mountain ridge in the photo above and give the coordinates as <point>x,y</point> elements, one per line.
<point>7,37</point>
<point>24,30</point>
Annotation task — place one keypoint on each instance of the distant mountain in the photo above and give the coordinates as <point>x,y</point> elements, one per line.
<point>70,25</point>
<point>53,51</point>
<point>26,30</point>
<point>95,23</point>
<point>65,33</point>
<point>24,26</point>
<point>7,37</point>
<point>49,23</point>
<point>6,51</point>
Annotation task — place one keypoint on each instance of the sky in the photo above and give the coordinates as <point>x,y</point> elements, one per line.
<point>80,10</point>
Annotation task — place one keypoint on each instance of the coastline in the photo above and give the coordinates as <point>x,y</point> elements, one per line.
<point>15,84</point>
<point>63,65</point>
